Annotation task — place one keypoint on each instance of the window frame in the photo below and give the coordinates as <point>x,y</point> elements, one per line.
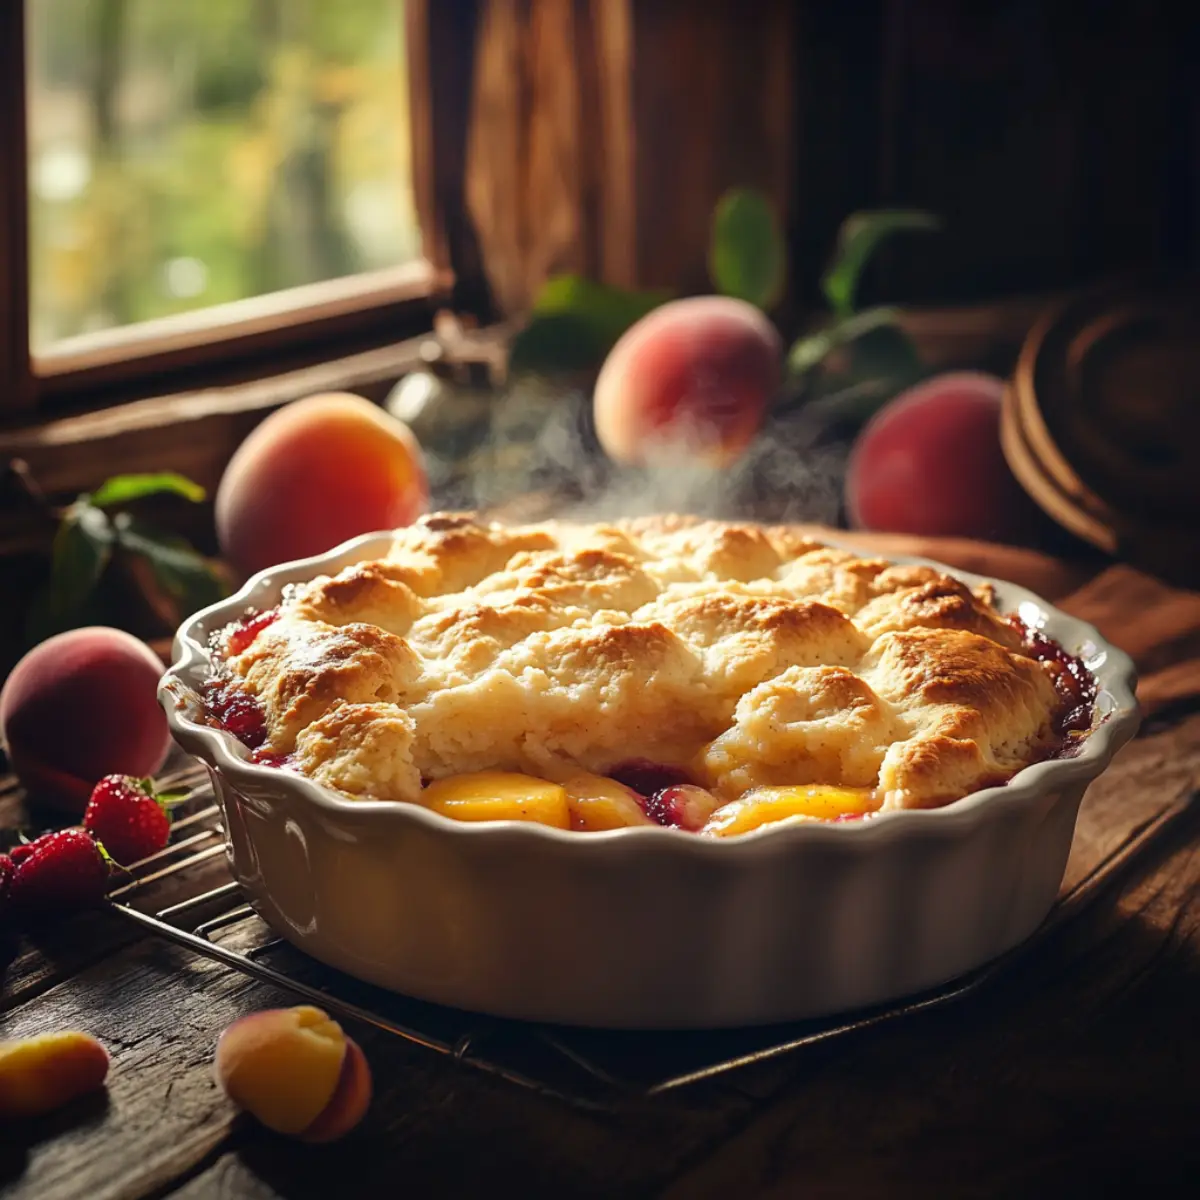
<point>539,133</point>
<point>246,339</point>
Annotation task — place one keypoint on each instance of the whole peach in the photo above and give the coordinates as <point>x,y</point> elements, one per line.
<point>314,474</point>
<point>930,463</point>
<point>693,377</point>
<point>296,1071</point>
<point>79,706</point>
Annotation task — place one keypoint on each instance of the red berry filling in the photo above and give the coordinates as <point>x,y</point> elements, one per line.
<point>238,713</point>
<point>1072,680</point>
<point>269,758</point>
<point>647,778</point>
<point>241,635</point>
<point>666,807</point>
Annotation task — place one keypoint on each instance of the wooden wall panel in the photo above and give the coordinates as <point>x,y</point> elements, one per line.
<point>713,104</point>
<point>604,132</point>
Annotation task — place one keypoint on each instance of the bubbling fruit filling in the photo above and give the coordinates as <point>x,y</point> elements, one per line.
<point>916,681</point>
<point>1074,683</point>
<point>230,707</point>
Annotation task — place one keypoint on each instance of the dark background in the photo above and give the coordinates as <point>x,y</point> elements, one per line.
<point>1059,141</point>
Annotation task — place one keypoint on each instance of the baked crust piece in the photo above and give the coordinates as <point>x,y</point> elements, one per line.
<point>749,654</point>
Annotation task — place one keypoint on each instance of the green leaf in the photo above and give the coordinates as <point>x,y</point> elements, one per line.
<point>747,256</point>
<point>123,489</point>
<point>80,554</point>
<point>859,237</point>
<point>608,310</point>
<point>82,550</point>
<point>863,374</point>
<point>557,342</point>
<point>575,323</point>
<point>812,349</point>
<point>189,578</point>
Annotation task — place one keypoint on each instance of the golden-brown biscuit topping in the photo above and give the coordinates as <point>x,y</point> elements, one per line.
<point>748,656</point>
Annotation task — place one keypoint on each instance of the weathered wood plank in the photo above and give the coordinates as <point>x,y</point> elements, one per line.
<point>37,962</point>
<point>447,1129</point>
<point>159,1013</point>
<point>1078,1073</point>
<point>433,1122</point>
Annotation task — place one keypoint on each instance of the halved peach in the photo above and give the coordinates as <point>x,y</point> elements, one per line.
<point>499,796</point>
<point>42,1073</point>
<point>296,1071</point>
<point>765,806</point>
<point>597,802</point>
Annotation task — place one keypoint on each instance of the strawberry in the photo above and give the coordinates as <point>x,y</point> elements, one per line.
<point>129,819</point>
<point>63,871</point>
<point>6,873</point>
<point>20,851</point>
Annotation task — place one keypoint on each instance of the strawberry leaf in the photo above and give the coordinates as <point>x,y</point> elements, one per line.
<point>109,861</point>
<point>124,489</point>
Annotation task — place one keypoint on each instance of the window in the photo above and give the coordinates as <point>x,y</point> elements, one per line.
<point>199,152</point>
<point>191,184</point>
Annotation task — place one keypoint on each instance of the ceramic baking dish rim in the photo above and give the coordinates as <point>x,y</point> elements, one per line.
<point>1116,708</point>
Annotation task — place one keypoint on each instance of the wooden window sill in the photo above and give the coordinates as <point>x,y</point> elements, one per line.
<point>196,431</point>
<point>231,341</point>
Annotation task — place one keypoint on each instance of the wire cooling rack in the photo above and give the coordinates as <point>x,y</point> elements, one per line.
<point>589,1068</point>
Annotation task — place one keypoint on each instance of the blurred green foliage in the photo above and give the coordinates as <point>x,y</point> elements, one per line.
<point>747,255</point>
<point>95,531</point>
<point>184,153</point>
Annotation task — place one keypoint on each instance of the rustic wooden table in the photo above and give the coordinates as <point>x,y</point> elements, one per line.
<point>1076,1068</point>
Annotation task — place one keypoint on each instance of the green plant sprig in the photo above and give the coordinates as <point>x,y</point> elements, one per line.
<point>93,529</point>
<point>575,321</point>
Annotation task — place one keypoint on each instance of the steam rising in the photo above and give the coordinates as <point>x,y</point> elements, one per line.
<point>531,452</point>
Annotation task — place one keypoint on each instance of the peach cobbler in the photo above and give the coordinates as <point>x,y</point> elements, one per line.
<point>663,671</point>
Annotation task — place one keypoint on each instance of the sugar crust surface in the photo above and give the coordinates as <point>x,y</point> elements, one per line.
<point>750,654</point>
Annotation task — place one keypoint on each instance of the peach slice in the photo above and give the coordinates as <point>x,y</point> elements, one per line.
<point>296,1071</point>
<point>764,806</point>
<point>42,1073</point>
<point>499,796</point>
<point>597,803</point>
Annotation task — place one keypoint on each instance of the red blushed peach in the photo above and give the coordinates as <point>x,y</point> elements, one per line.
<point>930,463</point>
<point>296,1071</point>
<point>79,706</point>
<point>313,475</point>
<point>692,378</point>
<point>42,1073</point>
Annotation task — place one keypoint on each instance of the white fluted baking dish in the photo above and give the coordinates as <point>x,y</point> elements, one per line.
<point>646,927</point>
